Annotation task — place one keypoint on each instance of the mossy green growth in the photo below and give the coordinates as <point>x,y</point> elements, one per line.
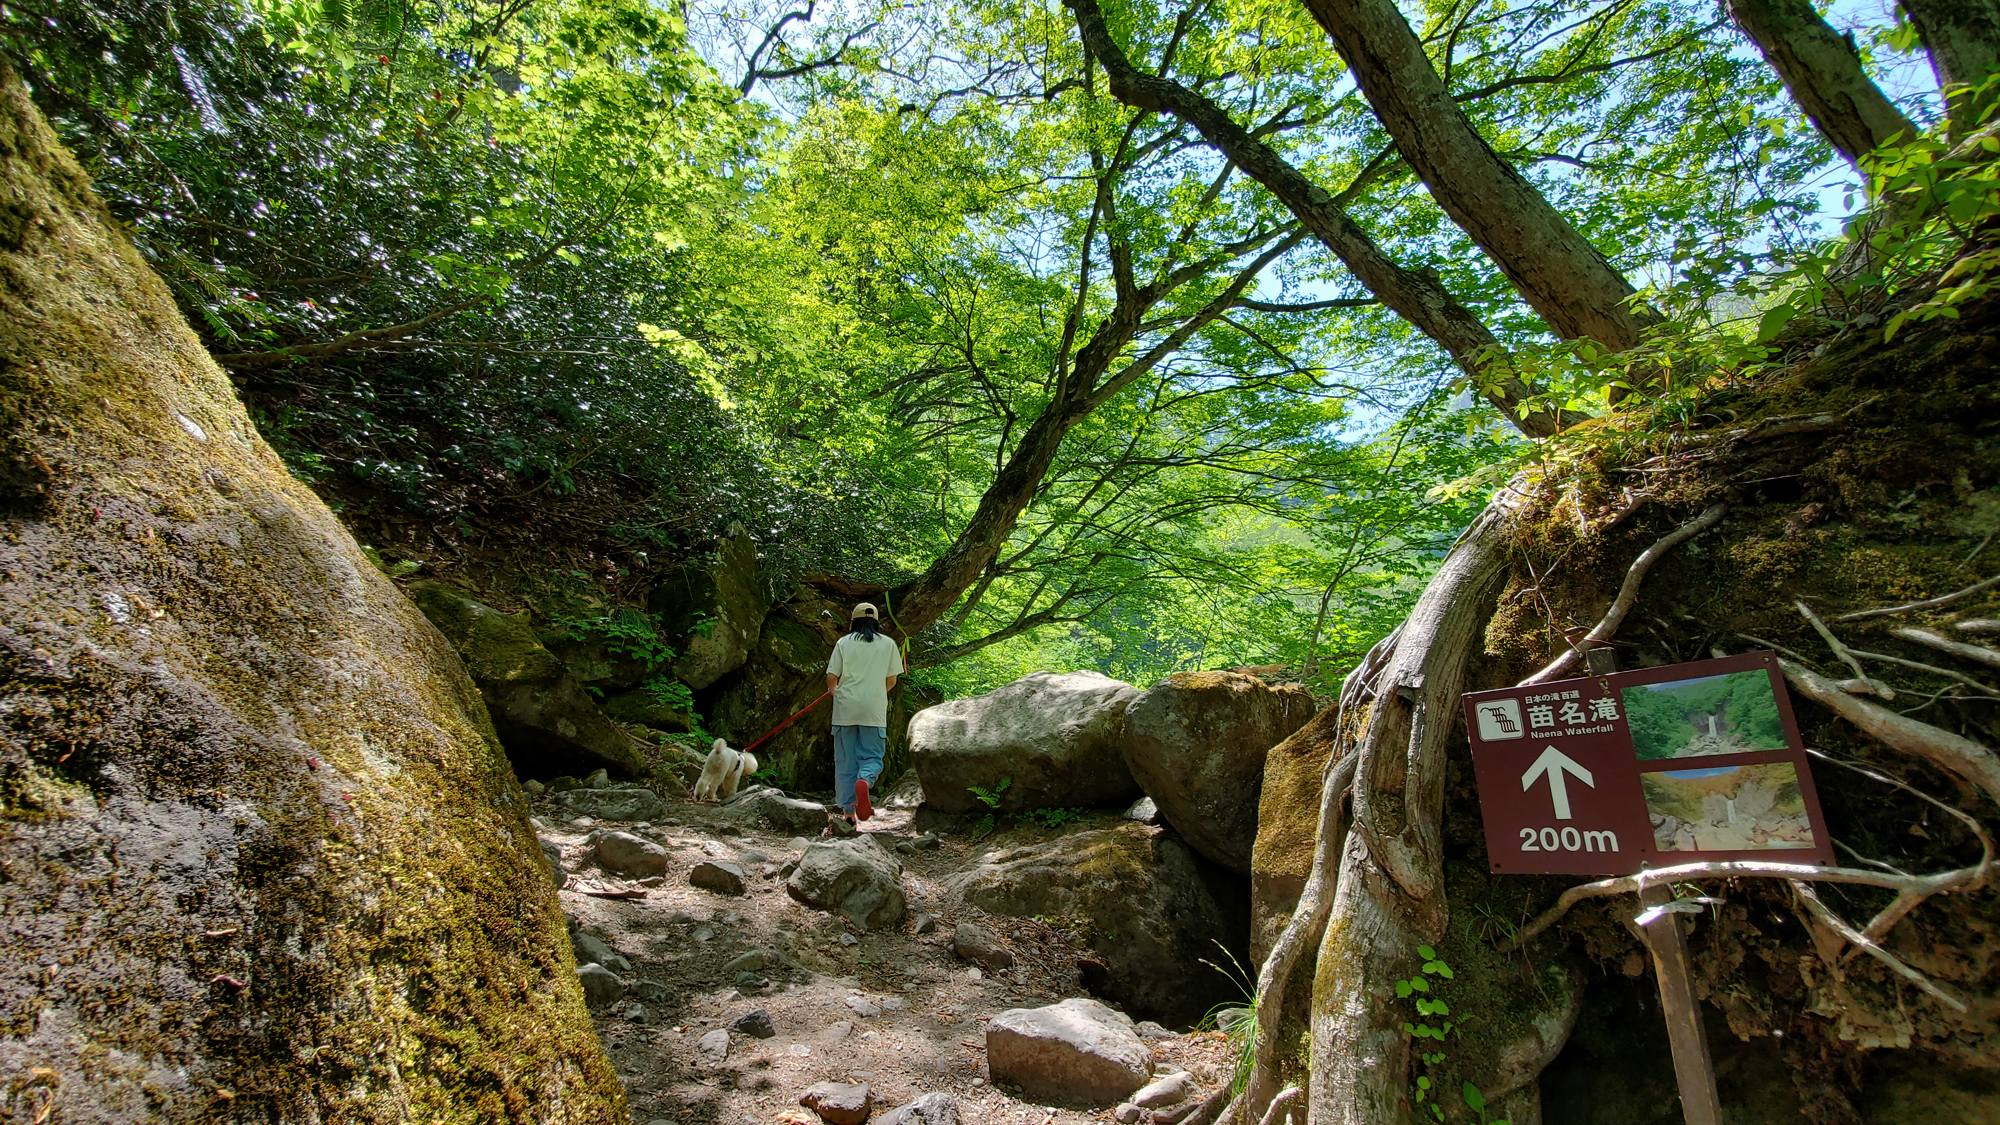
<point>295,880</point>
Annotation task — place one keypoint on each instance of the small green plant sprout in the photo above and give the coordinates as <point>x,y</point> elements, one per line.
<point>984,828</point>
<point>1428,1009</point>
<point>991,797</point>
<point>1237,1022</point>
<point>1476,1101</point>
<point>1056,818</point>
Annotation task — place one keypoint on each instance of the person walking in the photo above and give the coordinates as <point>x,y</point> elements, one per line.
<point>864,666</point>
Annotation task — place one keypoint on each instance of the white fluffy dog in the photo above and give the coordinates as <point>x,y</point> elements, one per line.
<point>722,772</point>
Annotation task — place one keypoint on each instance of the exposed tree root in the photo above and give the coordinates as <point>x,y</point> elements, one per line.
<point>1387,896</point>
<point>1308,920</point>
<point>1927,603</point>
<point>1922,667</point>
<point>1809,898</point>
<point>1281,1103</point>
<point>1920,886</point>
<point>1878,689</point>
<point>1977,653</point>
<point>1942,748</point>
<point>1627,594</point>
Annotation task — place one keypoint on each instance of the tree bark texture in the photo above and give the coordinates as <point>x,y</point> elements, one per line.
<point>1823,72</point>
<point>1416,296</point>
<point>1556,270</point>
<point>1389,896</point>
<point>261,857</point>
<point>1963,40</point>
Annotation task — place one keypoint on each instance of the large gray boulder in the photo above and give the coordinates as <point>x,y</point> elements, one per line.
<point>855,878</point>
<point>1157,912</point>
<point>1077,1051</point>
<point>1196,743</point>
<point>1055,738</point>
<point>628,854</point>
<point>628,803</point>
<point>546,720</point>
<point>713,610</point>
<point>766,806</point>
<point>222,719</point>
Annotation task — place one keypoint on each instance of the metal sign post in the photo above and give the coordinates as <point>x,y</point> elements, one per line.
<point>1612,774</point>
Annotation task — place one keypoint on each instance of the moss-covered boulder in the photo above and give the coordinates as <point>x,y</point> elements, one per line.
<point>1157,915</point>
<point>1287,818</point>
<point>547,721</point>
<point>261,857</point>
<point>649,708</point>
<point>714,610</point>
<point>1196,743</point>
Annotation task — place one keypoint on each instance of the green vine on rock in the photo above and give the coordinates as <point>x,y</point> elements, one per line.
<point>1429,1008</point>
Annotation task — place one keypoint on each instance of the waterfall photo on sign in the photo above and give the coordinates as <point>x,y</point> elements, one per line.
<point>1735,713</point>
<point>1728,809</point>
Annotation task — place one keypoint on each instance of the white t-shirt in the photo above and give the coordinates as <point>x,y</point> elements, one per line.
<point>861,699</point>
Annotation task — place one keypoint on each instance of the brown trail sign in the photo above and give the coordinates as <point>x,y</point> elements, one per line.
<point>1607,775</point>
<point>1613,774</point>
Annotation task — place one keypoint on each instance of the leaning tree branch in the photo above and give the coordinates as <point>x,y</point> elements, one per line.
<point>1627,594</point>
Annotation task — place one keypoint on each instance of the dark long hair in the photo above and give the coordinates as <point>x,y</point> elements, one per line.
<point>866,626</point>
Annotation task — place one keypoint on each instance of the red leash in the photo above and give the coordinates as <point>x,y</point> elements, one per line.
<point>783,725</point>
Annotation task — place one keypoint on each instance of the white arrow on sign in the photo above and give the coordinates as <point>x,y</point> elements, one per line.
<point>1555,763</point>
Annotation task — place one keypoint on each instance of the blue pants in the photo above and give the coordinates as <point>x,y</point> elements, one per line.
<point>857,754</point>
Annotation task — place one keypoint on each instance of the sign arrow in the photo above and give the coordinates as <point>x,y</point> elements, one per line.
<point>1555,763</point>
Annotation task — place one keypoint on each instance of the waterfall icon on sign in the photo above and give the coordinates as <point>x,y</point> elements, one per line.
<point>1499,720</point>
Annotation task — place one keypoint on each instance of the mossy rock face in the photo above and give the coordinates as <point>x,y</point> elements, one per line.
<point>644,707</point>
<point>714,611</point>
<point>784,675</point>
<point>1196,743</point>
<point>1287,818</point>
<point>546,720</point>
<point>1154,910</point>
<point>261,856</point>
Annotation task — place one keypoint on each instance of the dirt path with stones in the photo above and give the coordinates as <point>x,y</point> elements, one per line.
<point>897,1009</point>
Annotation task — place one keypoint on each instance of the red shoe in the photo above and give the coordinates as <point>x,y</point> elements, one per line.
<point>862,808</point>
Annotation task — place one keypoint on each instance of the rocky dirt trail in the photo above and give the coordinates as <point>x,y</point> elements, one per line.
<point>687,970</point>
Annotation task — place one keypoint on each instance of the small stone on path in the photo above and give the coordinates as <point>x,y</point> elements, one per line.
<point>839,1030</point>
<point>755,1022</point>
<point>849,939</point>
<point>864,1007</point>
<point>926,923</point>
<point>974,974</point>
<point>1127,1113</point>
<point>747,962</point>
<point>718,876</point>
<point>980,946</point>
<point>1077,1050</point>
<point>930,1109</point>
<point>601,986</point>
<point>839,1103</point>
<point>714,1046</point>
<point>1164,1091</point>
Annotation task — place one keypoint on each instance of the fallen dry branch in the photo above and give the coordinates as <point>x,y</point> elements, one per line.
<point>1928,603</point>
<point>1922,667</point>
<point>1978,625</point>
<point>1979,654</point>
<point>1942,748</point>
<point>1627,594</point>
<point>1925,885</point>
<point>1810,900</point>
<point>1880,690</point>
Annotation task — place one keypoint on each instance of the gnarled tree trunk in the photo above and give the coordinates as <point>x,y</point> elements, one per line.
<point>1823,72</point>
<point>1548,261</point>
<point>261,858</point>
<point>1963,40</point>
<point>1389,897</point>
